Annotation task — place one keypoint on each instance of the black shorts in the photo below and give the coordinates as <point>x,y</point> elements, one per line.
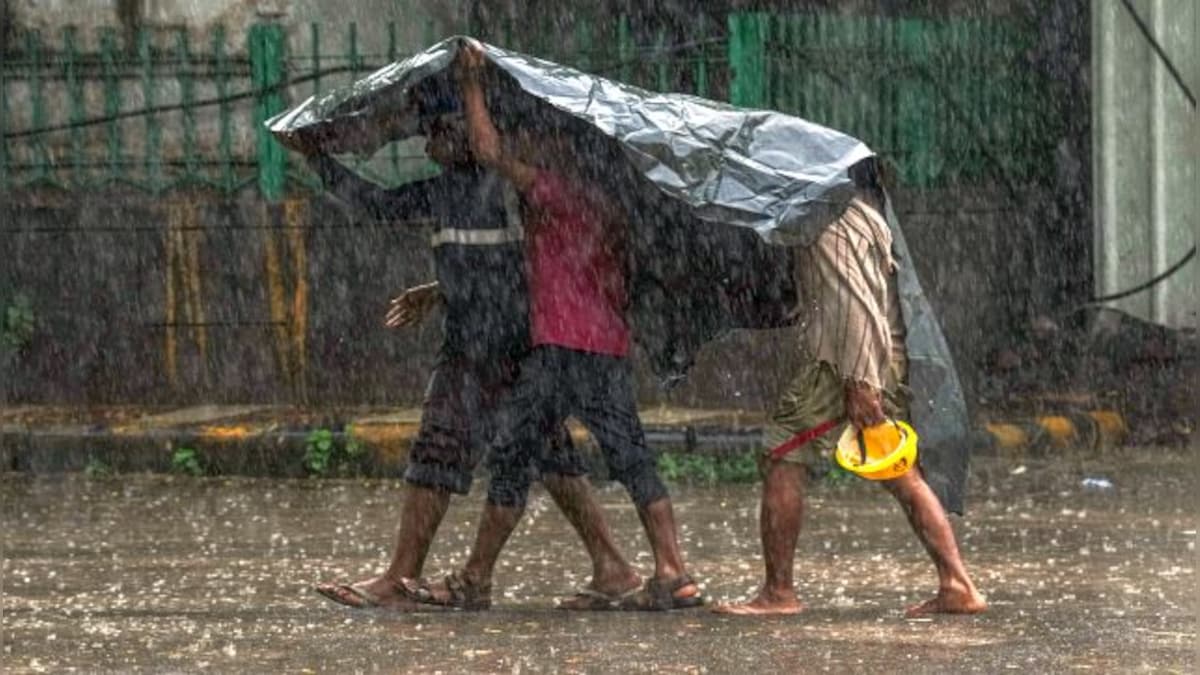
<point>459,422</point>
<point>554,383</point>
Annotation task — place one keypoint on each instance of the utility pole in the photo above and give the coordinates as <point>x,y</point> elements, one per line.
<point>6,21</point>
<point>130,15</point>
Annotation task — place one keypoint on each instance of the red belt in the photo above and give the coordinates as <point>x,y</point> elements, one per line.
<point>803,437</point>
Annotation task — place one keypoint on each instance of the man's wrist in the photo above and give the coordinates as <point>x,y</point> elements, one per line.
<point>858,385</point>
<point>469,75</point>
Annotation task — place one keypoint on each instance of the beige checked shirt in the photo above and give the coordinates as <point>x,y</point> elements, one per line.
<point>850,310</point>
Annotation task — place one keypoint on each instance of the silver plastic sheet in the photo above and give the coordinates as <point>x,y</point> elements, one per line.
<point>938,409</point>
<point>780,175</point>
<point>716,196</point>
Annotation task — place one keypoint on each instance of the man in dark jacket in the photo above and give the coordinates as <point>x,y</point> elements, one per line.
<point>480,282</point>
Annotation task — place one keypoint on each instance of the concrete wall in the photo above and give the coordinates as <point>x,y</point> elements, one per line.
<point>1147,147</point>
<point>237,15</point>
<point>136,263</point>
<point>193,299</point>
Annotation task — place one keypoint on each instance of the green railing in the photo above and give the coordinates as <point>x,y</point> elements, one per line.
<point>97,120</point>
<point>697,64</point>
<point>945,100</point>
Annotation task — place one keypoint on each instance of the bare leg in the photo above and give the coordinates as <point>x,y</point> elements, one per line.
<point>611,573</point>
<point>424,509</point>
<point>495,527</point>
<point>658,518</point>
<point>671,587</point>
<point>496,524</point>
<point>956,593</point>
<point>422,513</point>
<point>779,521</point>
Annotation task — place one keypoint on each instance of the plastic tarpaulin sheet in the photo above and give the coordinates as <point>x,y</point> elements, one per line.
<point>715,194</point>
<point>780,175</point>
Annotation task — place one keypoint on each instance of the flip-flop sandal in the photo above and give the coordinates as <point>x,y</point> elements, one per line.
<point>462,594</point>
<point>350,595</point>
<point>659,596</point>
<point>591,600</point>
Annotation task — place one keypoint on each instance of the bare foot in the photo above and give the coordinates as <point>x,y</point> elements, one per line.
<point>378,592</point>
<point>616,582</point>
<point>687,592</point>
<point>763,604</point>
<point>949,602</point>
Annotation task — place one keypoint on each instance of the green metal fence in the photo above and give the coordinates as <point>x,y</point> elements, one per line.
<point>652,58</point>
<point>96,120</point>
<point>945,100</point>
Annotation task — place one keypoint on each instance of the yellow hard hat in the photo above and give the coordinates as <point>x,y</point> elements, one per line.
<point>891,450</point>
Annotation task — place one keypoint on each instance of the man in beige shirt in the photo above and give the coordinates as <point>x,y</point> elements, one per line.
<point>854,371</point>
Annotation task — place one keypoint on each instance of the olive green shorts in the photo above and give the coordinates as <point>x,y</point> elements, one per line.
<point>815,395</point>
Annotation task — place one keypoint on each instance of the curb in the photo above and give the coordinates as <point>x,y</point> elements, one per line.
<point>1037,436</point>
<point>268,448</point>
<point>227,445</point>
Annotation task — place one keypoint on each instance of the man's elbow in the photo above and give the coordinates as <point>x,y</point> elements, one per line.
<point>487,152</point>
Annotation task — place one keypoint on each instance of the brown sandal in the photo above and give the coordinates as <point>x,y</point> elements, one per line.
<point>461,593</point>
<point>357,596</point>
<point>658,596</point>
<point>350,595</point>
<point>591,600</point>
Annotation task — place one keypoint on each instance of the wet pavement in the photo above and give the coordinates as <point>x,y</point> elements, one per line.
<point>158,573</point>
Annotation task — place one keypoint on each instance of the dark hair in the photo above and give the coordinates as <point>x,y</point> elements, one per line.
<point>868,176</point>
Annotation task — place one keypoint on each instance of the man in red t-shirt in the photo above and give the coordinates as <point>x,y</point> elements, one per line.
<point>579,365</point>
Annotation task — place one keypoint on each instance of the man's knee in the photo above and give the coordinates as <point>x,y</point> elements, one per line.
<point>562,462</point>
<point>442,477</point>
<point>558,483</point>
<point>509,489</point>
<point>784,475</point>
<point>571,493</point>
<point>644,484</point>
<point>903,487</point>
<point>508,498</point>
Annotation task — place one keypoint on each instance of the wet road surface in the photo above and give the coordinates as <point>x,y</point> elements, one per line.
<point>157,573</point>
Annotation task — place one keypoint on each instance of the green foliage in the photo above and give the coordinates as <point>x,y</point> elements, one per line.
<point>17,323</point>
<point>324,455</point>
<point>681,467</point>
<point>318,452</point>
<point>187,461</point>
<point>707,470</point>
<point>354,449</point>
<point>96,469</point>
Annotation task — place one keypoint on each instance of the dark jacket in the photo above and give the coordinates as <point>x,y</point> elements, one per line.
<point>477,251</point>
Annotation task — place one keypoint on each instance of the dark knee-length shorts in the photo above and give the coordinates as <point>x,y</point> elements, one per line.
<point>459,418</point>
<point>554,383</point>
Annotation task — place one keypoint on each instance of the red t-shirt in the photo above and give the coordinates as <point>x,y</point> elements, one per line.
<point>576,277</point>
